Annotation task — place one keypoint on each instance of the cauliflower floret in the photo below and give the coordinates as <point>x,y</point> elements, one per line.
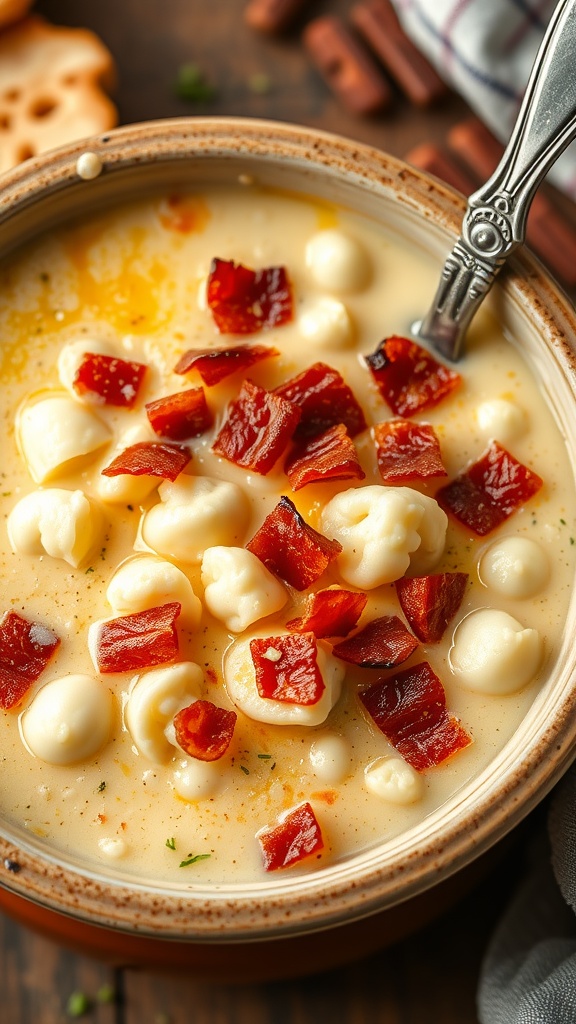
<point>240,679</point>
<point>195,513</point>
<point>326,323</point>
<point>515,567</point>
<point>383,532</point>
<point>501,418</point>
<point>337,261</point>
<point>146,581</point>
<point>152,703</point>
<point>69,720</point>
<point>54,431</point>
<point>62,524</point>
<point>239,589</point>
<point>394,780</point>
<point>493,653</point>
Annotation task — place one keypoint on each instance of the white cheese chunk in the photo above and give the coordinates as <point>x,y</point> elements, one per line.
<point>337,261</point>
<point>384,531</point>
<point>195,513</point>
<point>153,701</point>
<point>493,653</point>
<point>394,780</point>
<point>62,524</point>
<point>239,589</point>
<point>501,419</point>
<point>326,323</point>
<point>331,758</point>
<point>198,780</point>
<point>146,581</point>
<point>70,360</point>
<point>515,567</point>
<point>69,720</point>
<point>113,847</point>
<point>55,431</point>
<point>240,680</point>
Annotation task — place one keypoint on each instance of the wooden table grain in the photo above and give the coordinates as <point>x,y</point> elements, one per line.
<point>430,978</point>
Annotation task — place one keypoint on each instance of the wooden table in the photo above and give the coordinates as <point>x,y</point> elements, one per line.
<point>432,976</point>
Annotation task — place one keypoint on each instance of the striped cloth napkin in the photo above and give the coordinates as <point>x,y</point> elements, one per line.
<point>485,50</point>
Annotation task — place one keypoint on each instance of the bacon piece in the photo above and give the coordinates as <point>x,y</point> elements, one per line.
<point>408,377</point>
<point>328,456</point>
<point>140,640</point>
<point>383,643</point>
<point>214,364</point>
<point>204,731</point>
<point>330,613</point>
<point>115,381</point>
<point>287,669</point>
<point>297,835</point>
<point>292,549</point>
<point>429,602</point>
<point>407,451</point>
<point>489,491</point>
<point>179,416</point>
<point>243,301</point>
<point>410,709</point>
<point>150,458</point>
<point>25,650</point>
<point>324,399</point>
<point>257,430</point>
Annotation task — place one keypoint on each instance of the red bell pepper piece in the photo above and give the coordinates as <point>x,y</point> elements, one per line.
<point>204,730</point>
<point>383,643</point>
<point>292,549</point>
<point>257,429</point>
<point>150,458</point>
<point>489,491</point>
<point>330,613</point>
<point>180,416</point>
<point>25,650</point>
<point>328,456</point>
<point>408,377</point>
<point>297,835</point>
<point>407,451</point>
<point>410,709</point>
<point>286,668</point>
<point>430,602</point>
<point>114,381</point>
<point>243,301</point>
<point>324,400</point>
<point>215,364</point>
<point>138,641</point>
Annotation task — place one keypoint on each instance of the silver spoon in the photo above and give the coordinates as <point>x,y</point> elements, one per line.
<point>495,219</point>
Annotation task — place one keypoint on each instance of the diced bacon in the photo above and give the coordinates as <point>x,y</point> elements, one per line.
<point>257,429</point>
<point>287,669</point>
<point>489,491</point>
<point>430,602</point>
<point>328,456</point>
<point>407,451</point>
<point>214,364</point>
<point>408,377</point>
<point>298,835</point>
<point>179,416</point>
<point>138,641</point>
<point>204,730</point>
<point>243,301</point>
<point>25,650</point>
<point>184,214</point>
<point>114,381</point>
<point>383,643</point>
<point>324,399</point>
<point>330,612</point>
<point>292,549</point>
<point>410,709</point>
<point>150,458</point>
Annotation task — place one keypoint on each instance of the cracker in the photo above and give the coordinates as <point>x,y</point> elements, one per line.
<point>13,10</point>
<point>51,81</point>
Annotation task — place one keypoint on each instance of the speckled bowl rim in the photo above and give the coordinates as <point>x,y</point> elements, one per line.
<point>49,188</point>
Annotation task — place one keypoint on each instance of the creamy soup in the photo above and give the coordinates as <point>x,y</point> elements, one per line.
<point>91,757</point>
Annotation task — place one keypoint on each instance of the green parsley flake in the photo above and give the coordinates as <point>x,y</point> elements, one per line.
<point>78,1004</point>
<point>194,858</point>
<point>101,787</point>
<point>192,85</point>
<point>171,843</point>
<point>265,757</point>
<point>244,769</point>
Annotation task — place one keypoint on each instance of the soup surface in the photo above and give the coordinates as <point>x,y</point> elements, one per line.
<point>97,755</point>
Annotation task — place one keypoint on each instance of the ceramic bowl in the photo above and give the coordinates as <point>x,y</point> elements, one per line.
<point>379,894</point>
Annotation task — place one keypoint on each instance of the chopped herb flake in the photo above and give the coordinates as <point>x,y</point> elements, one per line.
<point>78,1004</point>
<point>563,521</point>
<point>244,769</point>
<point>89,569</point>
<point>265,757</point>
<point>192,859</point>
<point>101,787</point>
<point>192,84</point>
<point>171,843</point>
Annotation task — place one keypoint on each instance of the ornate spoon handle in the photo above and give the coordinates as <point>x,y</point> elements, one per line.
<point>495,220</point>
